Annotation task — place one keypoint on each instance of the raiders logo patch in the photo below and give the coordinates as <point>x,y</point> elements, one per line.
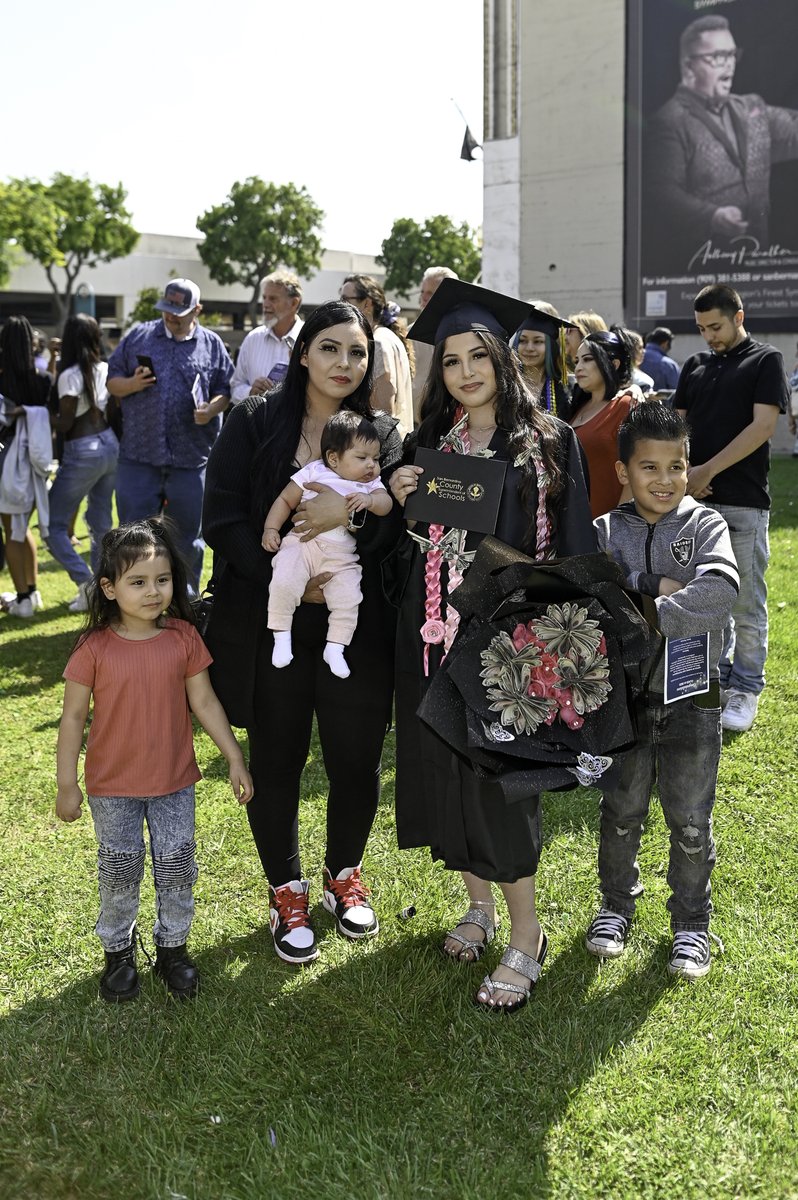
<point>682,550</point>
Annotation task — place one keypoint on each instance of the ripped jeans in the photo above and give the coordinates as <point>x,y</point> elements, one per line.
<point>679,747</point>
<point>119,826</point>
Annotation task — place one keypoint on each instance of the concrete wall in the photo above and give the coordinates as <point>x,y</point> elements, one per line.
<point>557,186</point>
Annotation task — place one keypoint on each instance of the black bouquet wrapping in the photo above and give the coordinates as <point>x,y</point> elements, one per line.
<point>540,688</point>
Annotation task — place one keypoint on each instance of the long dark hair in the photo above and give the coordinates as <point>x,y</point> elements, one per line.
<point>81,347</point>
<point>272,464</point>
<point>613,355</point>
<point>517,415</point>
<point>21,381</point>
<point>120,549</point>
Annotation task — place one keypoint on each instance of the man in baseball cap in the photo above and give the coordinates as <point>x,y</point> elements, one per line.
<point>180,296</point>
<point>172,376</point>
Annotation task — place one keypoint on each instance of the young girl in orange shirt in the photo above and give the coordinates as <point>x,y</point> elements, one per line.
<point>142,661</point>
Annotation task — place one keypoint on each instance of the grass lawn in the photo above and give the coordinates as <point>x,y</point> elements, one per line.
<point>370,1073</point>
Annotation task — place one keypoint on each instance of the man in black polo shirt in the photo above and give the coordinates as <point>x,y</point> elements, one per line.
<point>732,398</point>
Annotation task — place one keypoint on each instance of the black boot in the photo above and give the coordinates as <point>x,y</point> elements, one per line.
<point>120,981</point>
<point>179,973</point>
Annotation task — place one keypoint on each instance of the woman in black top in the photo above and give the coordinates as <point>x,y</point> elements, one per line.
<point>264,441</point>
<point>21,386</point>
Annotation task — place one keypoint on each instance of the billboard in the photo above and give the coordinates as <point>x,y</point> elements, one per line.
<point>711,158</point>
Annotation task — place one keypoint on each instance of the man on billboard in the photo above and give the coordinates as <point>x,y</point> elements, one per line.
<point>710,151</point>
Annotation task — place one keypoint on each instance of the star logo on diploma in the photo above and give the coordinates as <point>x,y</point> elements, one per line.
<point>432,487</point>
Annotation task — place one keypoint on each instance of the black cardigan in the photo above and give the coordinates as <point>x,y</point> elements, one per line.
<point>243,567</point>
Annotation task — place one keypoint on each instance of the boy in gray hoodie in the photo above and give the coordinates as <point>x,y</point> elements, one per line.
<point>678,551</point>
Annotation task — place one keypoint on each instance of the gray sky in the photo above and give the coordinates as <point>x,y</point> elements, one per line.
<point>178,101</point>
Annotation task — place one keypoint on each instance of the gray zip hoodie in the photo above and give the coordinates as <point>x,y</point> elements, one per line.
<point>691,544</point>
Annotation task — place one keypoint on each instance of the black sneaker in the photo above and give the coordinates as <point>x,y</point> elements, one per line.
<point>177,970</point>
<point>347,898</point>
<point>606,935</point>
<point>690,954</point>
<point>120,979</point>
<point>289,922</point>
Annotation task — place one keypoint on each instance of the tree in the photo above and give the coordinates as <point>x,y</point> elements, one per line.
<point>260,227</point>
<point>91,226</point>
<point>25,211</point>
<point>144,309</point>
<point>410,248</point>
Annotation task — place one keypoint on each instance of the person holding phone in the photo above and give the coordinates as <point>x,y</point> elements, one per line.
<point>173,379</point>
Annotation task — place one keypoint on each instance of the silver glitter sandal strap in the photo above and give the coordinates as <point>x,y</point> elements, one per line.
<point>476,948</point>
<point>475,916</point>
<point>501,985</point>
<point>524,964</point>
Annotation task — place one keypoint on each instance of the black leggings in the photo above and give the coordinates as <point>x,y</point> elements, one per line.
<point>353,715</point>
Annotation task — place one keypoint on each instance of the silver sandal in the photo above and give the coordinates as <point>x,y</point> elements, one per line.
<point>474,916</point>
<point>525,965</point>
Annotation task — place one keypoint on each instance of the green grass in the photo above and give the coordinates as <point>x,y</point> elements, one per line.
<point>370,1073</point>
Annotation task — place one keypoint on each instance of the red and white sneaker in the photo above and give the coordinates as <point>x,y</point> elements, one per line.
<point>346,897</point>
<point>289,922</point>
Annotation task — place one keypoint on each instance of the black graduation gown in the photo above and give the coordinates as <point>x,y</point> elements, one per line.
<point>440,802</point>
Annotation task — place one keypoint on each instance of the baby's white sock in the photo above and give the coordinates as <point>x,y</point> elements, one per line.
<point>334,658</point>
<point>281,654</point>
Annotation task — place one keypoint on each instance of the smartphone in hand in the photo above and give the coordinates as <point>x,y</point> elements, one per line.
<point>144,360</point>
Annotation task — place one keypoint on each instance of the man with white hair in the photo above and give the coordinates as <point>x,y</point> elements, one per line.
<point>265,351</point>
<point>431,280</point>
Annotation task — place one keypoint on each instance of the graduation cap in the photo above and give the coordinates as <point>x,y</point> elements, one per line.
<point>459,307</point>
<point>539,321</point>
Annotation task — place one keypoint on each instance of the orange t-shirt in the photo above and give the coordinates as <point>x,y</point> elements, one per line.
<point>141,739</point>
<point>598,438</point>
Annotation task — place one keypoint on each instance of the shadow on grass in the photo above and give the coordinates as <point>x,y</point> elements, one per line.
<point>370,1071</point>
<point>36,661</point>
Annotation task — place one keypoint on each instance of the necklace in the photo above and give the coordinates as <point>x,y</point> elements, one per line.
<point>481,435</point>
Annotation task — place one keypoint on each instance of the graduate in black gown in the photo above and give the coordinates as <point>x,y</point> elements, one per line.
<point>476,402</point>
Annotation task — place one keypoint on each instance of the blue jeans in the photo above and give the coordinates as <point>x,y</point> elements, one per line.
<point>679,747</point>
<point>745,640</point>
<point>145,491</point>
<point>88,468</point>
<point>119,826</point>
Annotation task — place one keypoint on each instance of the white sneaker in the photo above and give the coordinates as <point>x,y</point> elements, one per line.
<point>20,608</point>
<point>738,715</point>
<point>80,604</point>
<point>36,600</point>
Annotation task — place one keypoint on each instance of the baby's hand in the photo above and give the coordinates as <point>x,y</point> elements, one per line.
<point>68,802</point>
<point>357,502</point>
<point>667,586</point>
<point>241,782</point>
<point>271,540</point>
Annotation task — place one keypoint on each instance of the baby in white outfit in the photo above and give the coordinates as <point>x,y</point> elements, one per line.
<point>350,465</point>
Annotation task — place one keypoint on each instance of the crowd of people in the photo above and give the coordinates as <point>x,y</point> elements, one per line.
<point>330,600</point>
